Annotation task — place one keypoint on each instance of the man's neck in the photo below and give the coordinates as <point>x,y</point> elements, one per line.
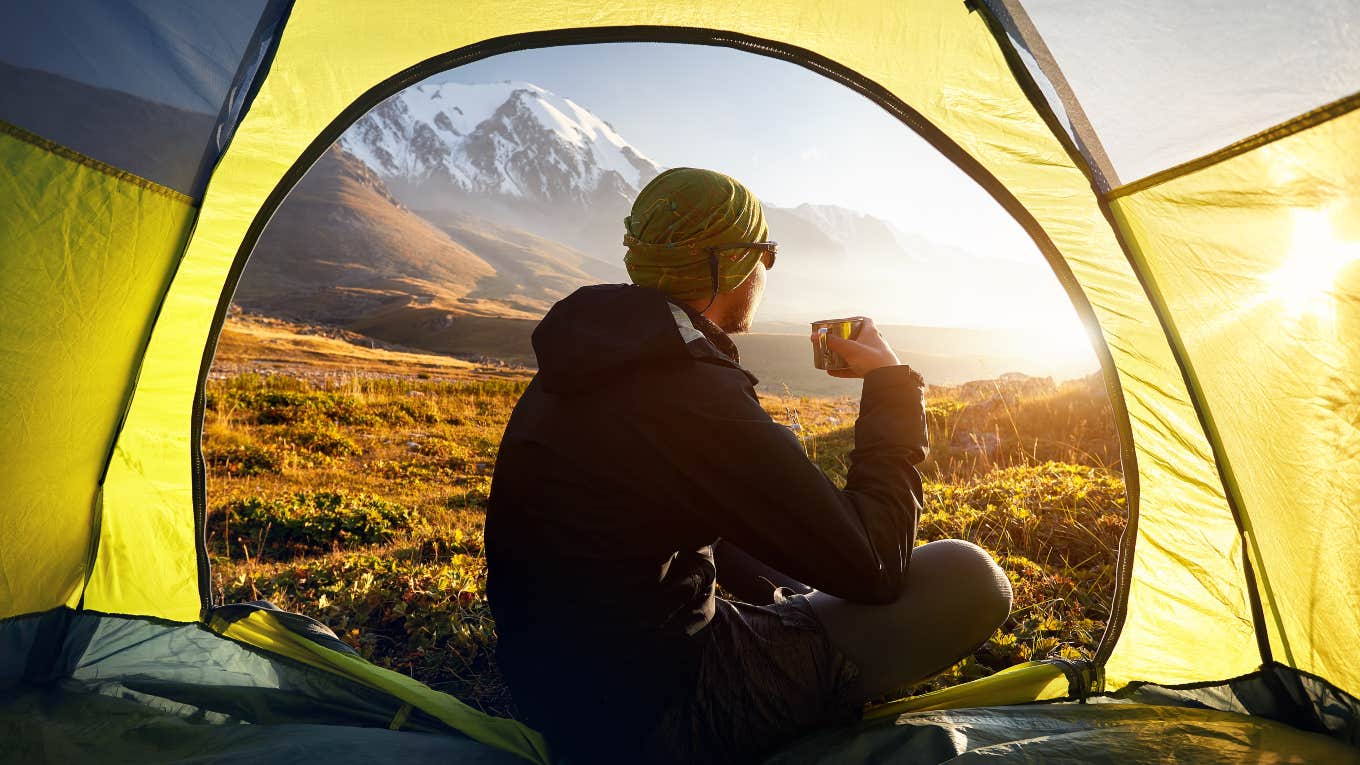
<point>713,332</point>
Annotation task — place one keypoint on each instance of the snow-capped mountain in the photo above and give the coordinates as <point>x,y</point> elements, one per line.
<point>523,156</point>
<point>514,140</point>
<point>858,233</point>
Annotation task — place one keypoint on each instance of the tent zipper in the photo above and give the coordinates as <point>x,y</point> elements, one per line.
<point>200,502</point>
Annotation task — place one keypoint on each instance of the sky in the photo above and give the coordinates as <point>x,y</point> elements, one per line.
<point>793,136</point>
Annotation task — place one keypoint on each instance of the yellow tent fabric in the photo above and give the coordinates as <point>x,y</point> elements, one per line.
<point>1256,258</point>
<point>1031,681</point>
<point>88,251</point>
<point>262,629</point>
<point>1199,614</point>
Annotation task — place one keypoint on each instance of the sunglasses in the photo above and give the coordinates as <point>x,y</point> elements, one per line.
<point>766,248</point>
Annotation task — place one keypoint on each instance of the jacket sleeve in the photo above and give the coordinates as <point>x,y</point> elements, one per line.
<point>754,485</point>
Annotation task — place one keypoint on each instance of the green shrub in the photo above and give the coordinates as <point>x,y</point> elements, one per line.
<point>320,438</point>
<point>284,407</point>
<point>266,405</point>
<point>454,455</point>
<point>307,523</point>
<point>410,410</point>
<point>241,458</point>
<point>410,470</point>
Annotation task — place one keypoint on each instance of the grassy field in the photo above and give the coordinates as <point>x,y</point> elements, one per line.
<point>359,501</point>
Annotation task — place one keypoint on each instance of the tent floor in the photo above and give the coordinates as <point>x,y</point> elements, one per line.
<point>60,724</point>
<point>57,723</point>
<point>1101,731</point>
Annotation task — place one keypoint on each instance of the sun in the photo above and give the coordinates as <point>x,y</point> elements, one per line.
<point>1305,283</point>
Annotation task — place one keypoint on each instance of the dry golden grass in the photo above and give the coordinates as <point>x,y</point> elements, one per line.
<point>259,344</point>
<point>360,501</point>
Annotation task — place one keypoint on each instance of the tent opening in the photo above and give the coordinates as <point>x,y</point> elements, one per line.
<point>379,336</point>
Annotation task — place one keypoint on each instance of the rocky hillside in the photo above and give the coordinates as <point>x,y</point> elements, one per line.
<point>342,246</point>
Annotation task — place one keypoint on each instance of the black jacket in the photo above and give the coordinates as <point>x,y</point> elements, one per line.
<point>638,444</point>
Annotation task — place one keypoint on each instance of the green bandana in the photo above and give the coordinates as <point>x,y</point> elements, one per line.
<point>676,216</point>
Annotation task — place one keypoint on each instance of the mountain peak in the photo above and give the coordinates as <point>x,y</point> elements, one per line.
<point>510,138</point>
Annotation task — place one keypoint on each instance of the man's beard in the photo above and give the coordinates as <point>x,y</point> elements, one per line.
<point>737,319</point>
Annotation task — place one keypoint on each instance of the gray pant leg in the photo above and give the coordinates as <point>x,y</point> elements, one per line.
<point>953,598</point>
<point>748,579</point>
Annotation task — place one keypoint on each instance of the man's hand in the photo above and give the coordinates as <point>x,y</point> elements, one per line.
<point>864,354</point>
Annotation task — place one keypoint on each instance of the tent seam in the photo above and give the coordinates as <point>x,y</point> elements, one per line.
<point>1319,116</point>
<point>113,614</point>
<point>65,152</point>
<point>1102,171</point>
<point>257,58</point>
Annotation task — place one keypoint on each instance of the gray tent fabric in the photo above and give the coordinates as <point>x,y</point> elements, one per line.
<point>1217,72</point>
<point>1277,692</point>
<point>1054,90</point>
<point>187,671</point>
<point>151,87</point>
<point>1104,731</point>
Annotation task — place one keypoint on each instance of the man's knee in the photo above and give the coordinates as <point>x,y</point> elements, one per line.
<point>969,575</point>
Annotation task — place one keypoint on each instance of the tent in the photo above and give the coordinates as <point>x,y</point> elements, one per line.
<point>1189,170</point>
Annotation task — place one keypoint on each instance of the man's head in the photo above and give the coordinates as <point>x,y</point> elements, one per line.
<point>681,230</point>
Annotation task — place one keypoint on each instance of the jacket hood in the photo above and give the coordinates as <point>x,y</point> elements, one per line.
<point>608,329</point>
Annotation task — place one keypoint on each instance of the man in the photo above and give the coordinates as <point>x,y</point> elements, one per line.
<point>639,469</point>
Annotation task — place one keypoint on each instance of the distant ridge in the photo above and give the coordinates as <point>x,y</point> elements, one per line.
<point>451,217</point>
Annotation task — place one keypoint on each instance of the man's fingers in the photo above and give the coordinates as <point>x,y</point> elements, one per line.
<point>835,343</point>
<point>850,350</point>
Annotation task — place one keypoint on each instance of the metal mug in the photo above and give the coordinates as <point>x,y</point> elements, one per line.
<point>822,356</point>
